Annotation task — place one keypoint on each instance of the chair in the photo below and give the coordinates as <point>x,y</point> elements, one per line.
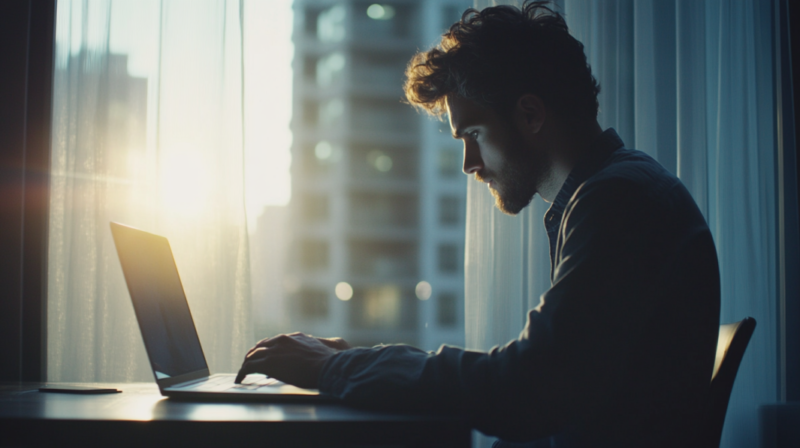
<point>732,342</point>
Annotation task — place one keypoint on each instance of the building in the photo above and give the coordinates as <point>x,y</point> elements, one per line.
<point>268,246</point>
<point>378,201</point>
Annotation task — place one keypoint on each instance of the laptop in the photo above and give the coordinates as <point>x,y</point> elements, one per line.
<point>168,330</point>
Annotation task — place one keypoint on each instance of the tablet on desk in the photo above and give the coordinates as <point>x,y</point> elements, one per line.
<point>82,390</point>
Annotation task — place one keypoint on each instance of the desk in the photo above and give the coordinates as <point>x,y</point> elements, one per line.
<point>140,416</point>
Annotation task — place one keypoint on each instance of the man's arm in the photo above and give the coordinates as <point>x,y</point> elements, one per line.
<point>528,388</point>
<point>575,343</point>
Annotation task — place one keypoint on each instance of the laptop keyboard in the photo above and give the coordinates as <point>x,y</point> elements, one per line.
<point>225,383</point>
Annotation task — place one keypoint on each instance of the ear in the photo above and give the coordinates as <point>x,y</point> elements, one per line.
<point>532,112</point>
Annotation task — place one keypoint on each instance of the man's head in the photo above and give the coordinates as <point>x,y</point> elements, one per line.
<point>516,68</point>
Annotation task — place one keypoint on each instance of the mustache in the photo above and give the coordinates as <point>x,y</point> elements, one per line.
<point>481,176</point>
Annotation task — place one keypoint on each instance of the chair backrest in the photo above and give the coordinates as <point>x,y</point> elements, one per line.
<point>732,342</point>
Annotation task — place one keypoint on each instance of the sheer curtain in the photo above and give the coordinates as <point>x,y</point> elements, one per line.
<point>148,131</point>
<point>690,83</point>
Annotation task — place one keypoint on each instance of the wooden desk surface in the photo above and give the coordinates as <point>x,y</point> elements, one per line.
<point>140,416</point>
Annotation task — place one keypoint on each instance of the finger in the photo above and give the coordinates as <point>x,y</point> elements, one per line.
<point>247,369</point>
<point>255,353</point>
<point>243,372</point>
<point>337,343</point>
<point>266,343</point>
<point>251,351</point>
<point>253,364</point>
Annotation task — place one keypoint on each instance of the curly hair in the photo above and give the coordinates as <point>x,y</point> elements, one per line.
<point>496,55</point>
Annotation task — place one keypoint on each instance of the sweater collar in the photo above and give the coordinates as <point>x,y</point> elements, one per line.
<point>600,150</point>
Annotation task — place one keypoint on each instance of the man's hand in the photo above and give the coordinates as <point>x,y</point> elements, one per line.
<point>292,358</point>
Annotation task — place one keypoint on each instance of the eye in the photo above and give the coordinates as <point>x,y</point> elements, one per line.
<point>473,135</point>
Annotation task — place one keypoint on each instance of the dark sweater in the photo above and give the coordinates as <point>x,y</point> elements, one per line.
<point>620,350</point>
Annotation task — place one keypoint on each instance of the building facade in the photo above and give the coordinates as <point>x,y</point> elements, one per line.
<point>378,200</point>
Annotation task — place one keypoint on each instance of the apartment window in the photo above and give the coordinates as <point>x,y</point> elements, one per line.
<point>314,254</point>
<point>381,20</point>
<point>449,162</point>
<point>331,24</point>
<point>329,69</point>
<point>310,67</point>
<point>315,207</point>
<point>383,162</point>
<point>448,259</point>
<point>310,113</point>
<point>383,306</point>
<point>374,114</point>
<point>383,259</point>
<point>447,309</point>
<point>377,210</point>
<point>331,113</point>
<point>310,22</point>
<point>317,158</point>
<point>312,303</point>
<point>449,210</point>
<point>379,68</point>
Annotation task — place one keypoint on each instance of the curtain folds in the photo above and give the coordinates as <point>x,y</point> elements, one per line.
<point>691,84</point>
<point>148,132</point>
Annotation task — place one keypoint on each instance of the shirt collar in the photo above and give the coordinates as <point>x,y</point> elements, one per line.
<point>602,147</point>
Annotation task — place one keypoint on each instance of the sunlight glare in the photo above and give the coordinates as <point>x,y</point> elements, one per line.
<point>184,186</point>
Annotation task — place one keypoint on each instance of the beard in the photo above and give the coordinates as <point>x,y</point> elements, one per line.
<point>517,181</point>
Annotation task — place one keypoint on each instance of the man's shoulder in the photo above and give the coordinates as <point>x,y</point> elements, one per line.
<point>632,171</point>
<point>635,187</point>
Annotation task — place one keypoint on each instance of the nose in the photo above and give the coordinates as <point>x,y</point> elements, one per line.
<point>472,158</point>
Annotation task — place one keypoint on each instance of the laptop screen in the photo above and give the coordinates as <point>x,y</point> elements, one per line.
<point>159,302</point>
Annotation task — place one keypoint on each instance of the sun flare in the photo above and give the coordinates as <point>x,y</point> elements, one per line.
<point>184,183</point>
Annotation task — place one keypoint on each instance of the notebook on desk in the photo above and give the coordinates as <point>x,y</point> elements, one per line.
<point>168,330</point>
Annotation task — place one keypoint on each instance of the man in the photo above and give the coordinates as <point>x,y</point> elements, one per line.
<point>620,350</point>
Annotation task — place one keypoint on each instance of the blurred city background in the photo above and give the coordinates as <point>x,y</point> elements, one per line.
<point>370,244</point>
<point>189,118</point>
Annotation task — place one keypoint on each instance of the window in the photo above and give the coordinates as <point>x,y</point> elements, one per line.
<point>382,258</point>
<point>329,69</point>
<point>319,157</point>
<point>378,210</point>
<point>330,24</point>
<point>382,68</point>
<point>331,113</point>
<point>314,254</point>
<point>383,306</point>
<point>382,20</point>
<point>310,112</point>
<point>310,67</point>
<point>447,309</point>
<point>375,115</point>
<point>312,303</point>
<point>383,162</point>
<point>319,120</point>
<point>449,262</point>
<point>311,16</point>
<point>449,210</point>
<point>450,163</point>
<point>314,207</point>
